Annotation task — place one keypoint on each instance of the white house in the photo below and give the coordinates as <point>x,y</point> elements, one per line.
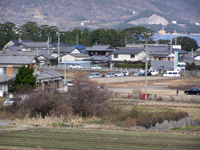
<point>74,57</point>
<point>119,56</point>
<point>65,50</point>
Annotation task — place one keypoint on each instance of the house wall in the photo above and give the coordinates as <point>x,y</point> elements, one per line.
<point>47,84</point>
<point>4,87</point>
<point>127,57</point>
<point>68,58</point>
<point>197,58</point>
<point>9,44</point>
<point>75,51</point>
<point>161,58</point>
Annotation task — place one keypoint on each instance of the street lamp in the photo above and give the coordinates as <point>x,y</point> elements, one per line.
<point>58,34</point>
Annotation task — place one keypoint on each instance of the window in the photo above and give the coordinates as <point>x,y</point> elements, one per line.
<point>15,70</point>
<point>115,55</point>
<point>132,56</point>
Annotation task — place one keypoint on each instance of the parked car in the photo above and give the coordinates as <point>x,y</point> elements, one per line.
<point>69,83</point>
<point>109,74</point>
<point>171,74</point>
<point>138,74</point>
<point>75,66</point>
<point>96,67</point>
<point>195,91</point>
<point>126,73</point>
<point>120,74</point>
<point>93,75</point>
<point>153,72</point>
<point>13,101</point>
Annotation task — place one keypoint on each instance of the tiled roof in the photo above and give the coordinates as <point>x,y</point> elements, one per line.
<point>61,44</point>
<point>80,47</point>
<point>180,51</point>
<point>64,49</point>
<point>78,55</point>
<point>49,57</point>
<point>97,58</point>
<point>16,42</point>
<point>16,58</point>
<point>15,48</point>
<point>36,44</point>
<point>127,51</point>
<point>6,78</point>
<point>42,51</point>
<point>49,74</point>
<point>107,48</point>
<point>160,53</point>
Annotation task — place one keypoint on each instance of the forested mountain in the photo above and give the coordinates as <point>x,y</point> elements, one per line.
<point>93,14</point>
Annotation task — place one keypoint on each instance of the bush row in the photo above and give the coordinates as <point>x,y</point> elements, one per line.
<point>140,118</point>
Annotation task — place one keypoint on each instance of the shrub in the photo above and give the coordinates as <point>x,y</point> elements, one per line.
<point>86,99</point>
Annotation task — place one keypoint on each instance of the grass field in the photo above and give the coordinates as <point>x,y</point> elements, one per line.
<point>65,138</point>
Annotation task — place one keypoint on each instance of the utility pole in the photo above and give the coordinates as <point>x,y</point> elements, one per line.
<point>58,46</point>
<point>191,52</point>
<point>146,63</point>
<point>48,42</point>
<point>170,46</point>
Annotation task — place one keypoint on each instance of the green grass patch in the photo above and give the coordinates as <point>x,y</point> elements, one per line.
<point>63,138</point>
<point>63,125</point>
<point>182,128</point>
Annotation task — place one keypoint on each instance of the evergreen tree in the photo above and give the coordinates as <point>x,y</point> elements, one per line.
<point>23,78</point>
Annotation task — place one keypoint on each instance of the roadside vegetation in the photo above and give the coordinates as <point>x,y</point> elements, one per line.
<point>83,100</point>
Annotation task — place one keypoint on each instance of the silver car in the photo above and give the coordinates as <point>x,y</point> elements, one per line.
<point>93,75</point>
<point>110,74</point>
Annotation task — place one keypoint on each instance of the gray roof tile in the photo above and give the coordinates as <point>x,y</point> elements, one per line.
<point>127,51</point>
<point>107,48</point>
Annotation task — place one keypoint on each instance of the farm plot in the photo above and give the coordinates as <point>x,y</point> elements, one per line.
<point>66,138</point>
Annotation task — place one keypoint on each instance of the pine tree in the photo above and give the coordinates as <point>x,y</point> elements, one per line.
<point>23,78</point>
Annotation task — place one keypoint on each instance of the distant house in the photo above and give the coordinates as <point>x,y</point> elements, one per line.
<point>10,61</point>
<point>54,45</point>
<point>16,42</point>
<point>98,59</point>
<point>47,60</point>
<point>49,79</point>
<point>16,48</point>
<point>65,50</point>
<point>100,50</point>
<point>129,55</point>
<point>37,45</point>
<point>181,52</point>
<point>73,57</point>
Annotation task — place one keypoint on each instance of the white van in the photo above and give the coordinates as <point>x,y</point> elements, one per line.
<point>171,74</point>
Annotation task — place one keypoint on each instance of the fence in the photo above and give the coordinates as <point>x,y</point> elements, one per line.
<point>115,69</point>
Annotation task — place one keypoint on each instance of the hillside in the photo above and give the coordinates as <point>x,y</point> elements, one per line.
<point>68,14</point>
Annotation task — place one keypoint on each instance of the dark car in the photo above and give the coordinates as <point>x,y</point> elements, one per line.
<point>143,73</point>
<point>195,91</point>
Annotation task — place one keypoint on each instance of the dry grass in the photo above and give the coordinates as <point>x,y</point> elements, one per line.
<point>49,120</point>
